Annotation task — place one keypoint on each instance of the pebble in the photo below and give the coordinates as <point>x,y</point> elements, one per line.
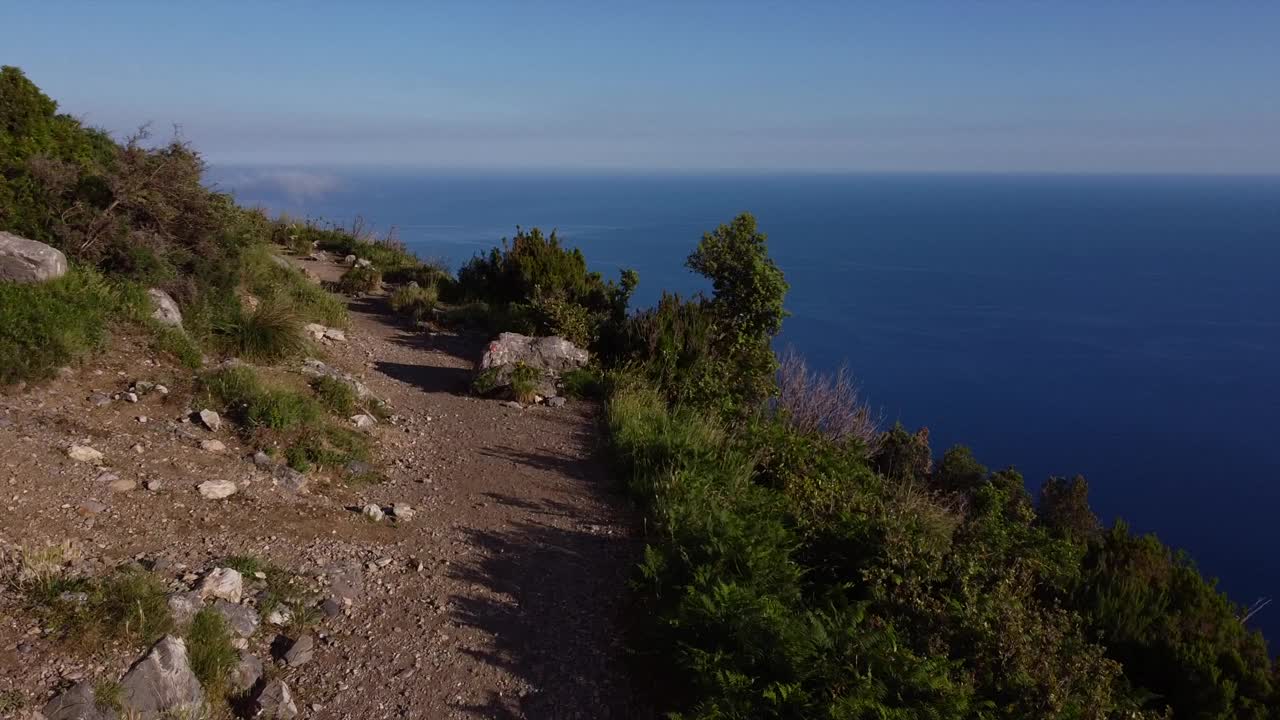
<point>131,397</point>
<point>212,445</point>
<point>373,512</point>
<point>301,652</point>
<point>84,454</point>
<point>122,485</point>
<point>210,419</point>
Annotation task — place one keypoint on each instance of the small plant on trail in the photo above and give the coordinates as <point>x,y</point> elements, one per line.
<point>360,280</point>
<point>335,395</point>
<point>269,333</point>
<point>524,383</point>
<point>415,301</point>
<point>210,652</point>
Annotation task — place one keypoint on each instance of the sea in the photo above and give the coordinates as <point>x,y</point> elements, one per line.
<point>1124,328</point>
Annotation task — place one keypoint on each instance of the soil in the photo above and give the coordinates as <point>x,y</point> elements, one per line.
<point>502,597</point>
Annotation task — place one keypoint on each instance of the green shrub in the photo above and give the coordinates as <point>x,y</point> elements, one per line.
<point>266,277</point>
<point>177,343</point>
<point>335,395</point>
<point>210,652</point>
<point>269,333</point>
<point>582,383</point>
<point>360,280</point>
<point>44,326</point>
<point>415,301</point>
<point>524,382</point>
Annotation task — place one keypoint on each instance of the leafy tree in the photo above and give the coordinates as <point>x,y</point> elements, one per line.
<point>1064,508</point>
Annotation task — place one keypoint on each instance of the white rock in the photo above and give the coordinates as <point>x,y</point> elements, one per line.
<point>217,489</point>
<point>122,485</point>
<point>279,616</point>
<point>373,512</point>
<point>364,422</point>
<point>402,511</point>
<point>315,330</point>
<point>224,583</point>
<point>166,312</point>
<point>212,446</point>
<point>28,261</point>
<point>84,454</point>
<point>335,334</point>
<point>210,419</point>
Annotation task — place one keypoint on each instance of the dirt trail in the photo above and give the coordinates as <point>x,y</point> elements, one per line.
<point>501,598</point>
<point>525,551</point>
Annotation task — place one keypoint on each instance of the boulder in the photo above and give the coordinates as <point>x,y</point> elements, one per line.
<point>551,356</point>
<point>28,261</point>
<point>166,312</point>
<point>276,702</point>
<point>223,583</point>
<point>162,684</point>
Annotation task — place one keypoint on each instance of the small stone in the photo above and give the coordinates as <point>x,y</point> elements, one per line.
<point>363,421</point>
<point>279,616</point>
<point>289,479</point>
<point>99,399</point>
<point>349,260</point>
<point>212,446</point>
<point>331,608</point>
<point>512,404</point>
<point>131,397</point>
<point>335,334</point>
<point>89,508</point>
<point>84,454</point>
<point>373,512</point>
<point>162,390</point>
<point>224,583</point>
<point>314,330</point>
<point>122,485</point>
<point>276,702</point>
<point>210,419</point>
<point>217,489</point>
<point>246,673</point>
<point>139,449</point>
<point>142,419</point>
<point>555,402</point>
<point>301,652</point>
<point>263,460</point>
<point>402,511</point>
<point>153,485</point>
<point>242,619</point>
<point>359,467</point>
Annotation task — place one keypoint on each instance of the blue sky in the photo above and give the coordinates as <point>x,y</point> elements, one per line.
<point>897,86</point>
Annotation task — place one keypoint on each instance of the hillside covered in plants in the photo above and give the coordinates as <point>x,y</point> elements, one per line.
<point>799,560</point>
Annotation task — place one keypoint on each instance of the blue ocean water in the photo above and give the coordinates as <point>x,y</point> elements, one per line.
<point>1123,328</point>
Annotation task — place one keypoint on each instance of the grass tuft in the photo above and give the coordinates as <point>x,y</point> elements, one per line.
<point>524,383</point>
<point>415,301</point>
<point>270,333</point>
<point>335,395</point>
<point>360,280</point>
<point>209,649</point>
<point>44,326</point>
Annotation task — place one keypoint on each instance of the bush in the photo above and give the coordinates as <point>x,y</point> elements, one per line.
<point>827,404</point>
<point>265,278</point>
<point>359,280</point>
<point>524,383</point>
<point>44,326</point>
<point>582,383</point>
<point>335,395</point>
<point>210,652</point>
<point>271,332</point>
<point>415,301</point>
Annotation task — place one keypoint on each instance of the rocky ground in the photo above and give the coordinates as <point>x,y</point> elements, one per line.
<point>500,597</point>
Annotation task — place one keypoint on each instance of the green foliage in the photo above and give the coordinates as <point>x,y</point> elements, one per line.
<point>583,384</point>
<point>415,301</point>
<point>534,285</point>
<point>177,343</point>
<point>128,605</point>
<point>209,650</point>
<point>335,395</point>
<point>271,332</point>
<point>266,277</point>
<point>44,326</point>
<point>524,382</point>
<point>359,280</point>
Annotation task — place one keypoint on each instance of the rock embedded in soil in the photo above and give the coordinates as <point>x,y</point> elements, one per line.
<point>224,583</point>
<point>184,605</point>
<point>84,454</point>
<point>122,485</point>
<point>28,261</point>
<point>301,651</point>
<point>166,309</point>
<point>210,419</point>
<point>212,446</point>
<point>245,674</point>
<point>217,489</point>
<point>364,422</point>
<point>373,512</point>
<point>162,682</point>
<point>276,702</point>
<point>241,619</point>
<point>75,703</point>
<point>402,511</point>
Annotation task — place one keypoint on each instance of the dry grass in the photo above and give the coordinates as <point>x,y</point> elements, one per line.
<point>827,404</point>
